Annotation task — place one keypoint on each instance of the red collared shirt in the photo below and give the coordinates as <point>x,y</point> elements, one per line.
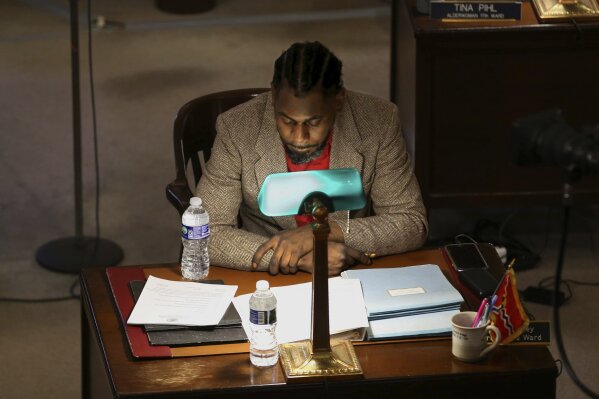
<point>320,163</point>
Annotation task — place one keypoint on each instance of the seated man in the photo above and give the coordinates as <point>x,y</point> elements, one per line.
<point>308,121</point>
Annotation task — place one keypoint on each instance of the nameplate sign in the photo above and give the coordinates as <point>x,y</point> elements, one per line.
<point>476,10</point>
<point>537,333</point>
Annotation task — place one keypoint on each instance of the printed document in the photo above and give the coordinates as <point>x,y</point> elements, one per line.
<point>181,303</point>
<point>294,309</point>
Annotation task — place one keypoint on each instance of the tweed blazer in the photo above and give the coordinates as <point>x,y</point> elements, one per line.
<point>248,148</point>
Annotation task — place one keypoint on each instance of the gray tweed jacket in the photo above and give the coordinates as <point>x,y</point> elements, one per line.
<point>248,148</point>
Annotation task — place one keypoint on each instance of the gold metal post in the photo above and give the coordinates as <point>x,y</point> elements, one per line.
<point>319,358</point>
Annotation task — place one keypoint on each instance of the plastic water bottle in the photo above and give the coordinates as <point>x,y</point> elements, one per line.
<point>264,350</point>
<point>195,229</point>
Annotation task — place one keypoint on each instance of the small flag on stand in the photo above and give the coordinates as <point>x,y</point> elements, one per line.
<point>508,315</point>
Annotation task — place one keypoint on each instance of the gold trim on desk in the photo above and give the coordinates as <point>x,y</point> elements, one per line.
<point>555,10</point>
<point>451,20</point>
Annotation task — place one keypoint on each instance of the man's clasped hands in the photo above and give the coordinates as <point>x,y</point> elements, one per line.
<point>293,250</point>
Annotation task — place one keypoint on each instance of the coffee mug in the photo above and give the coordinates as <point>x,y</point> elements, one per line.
<point>468,343</point>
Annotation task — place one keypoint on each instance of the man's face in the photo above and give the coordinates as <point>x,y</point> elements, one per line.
<point>304,123</point>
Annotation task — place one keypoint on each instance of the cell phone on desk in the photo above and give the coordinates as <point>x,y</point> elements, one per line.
<point>472,268</point>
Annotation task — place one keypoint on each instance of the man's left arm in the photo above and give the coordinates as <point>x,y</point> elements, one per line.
<point>399,224</point>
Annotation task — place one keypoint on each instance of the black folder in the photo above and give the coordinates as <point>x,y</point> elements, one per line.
<point>228,330</point>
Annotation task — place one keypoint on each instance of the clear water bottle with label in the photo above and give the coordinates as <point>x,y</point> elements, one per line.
<point>195,229</point>
<point>264,350</point>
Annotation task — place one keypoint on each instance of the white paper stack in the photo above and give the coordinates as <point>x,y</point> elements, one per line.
<point>347,311</point>
<point>181,303</point>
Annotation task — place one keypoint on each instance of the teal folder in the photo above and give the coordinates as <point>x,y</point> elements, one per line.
<point>405,291</point>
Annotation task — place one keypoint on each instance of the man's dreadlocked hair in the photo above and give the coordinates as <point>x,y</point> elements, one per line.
<point>307,65</point>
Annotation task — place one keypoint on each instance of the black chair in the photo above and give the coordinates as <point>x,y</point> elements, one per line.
<point>193,136</point>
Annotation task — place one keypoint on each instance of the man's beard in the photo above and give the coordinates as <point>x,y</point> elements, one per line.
<point>299,158</point>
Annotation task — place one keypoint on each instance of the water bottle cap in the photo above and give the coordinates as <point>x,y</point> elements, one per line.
<point>195,201</point>
<point>262,285</point>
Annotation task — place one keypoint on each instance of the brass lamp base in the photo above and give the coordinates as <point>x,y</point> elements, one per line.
<point>300,364</point>
<point>555,10</point>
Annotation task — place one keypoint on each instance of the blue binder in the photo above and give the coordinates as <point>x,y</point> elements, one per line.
<point>406,291</point>
<point>422,325</point>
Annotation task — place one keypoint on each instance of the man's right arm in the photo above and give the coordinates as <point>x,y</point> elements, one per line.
<point>220,189</point>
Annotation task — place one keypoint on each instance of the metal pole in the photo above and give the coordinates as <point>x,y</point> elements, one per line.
<point>320,282</point>
<point>71,254</point>
<point>393,52</point>
<point>76,118</point>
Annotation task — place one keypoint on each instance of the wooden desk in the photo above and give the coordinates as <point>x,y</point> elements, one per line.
<point>459,87</point>
<point>399,369</point>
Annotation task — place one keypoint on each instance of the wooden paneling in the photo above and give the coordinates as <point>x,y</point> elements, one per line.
<point>461,85</point>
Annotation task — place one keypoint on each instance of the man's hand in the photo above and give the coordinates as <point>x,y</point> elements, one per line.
<point>288,247</point>
<point>340,258</point>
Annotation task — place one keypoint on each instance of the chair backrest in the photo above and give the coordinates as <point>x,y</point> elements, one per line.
<point>194,133</point>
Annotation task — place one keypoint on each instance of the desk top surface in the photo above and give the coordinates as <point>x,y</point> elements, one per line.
<point>425,361</point>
